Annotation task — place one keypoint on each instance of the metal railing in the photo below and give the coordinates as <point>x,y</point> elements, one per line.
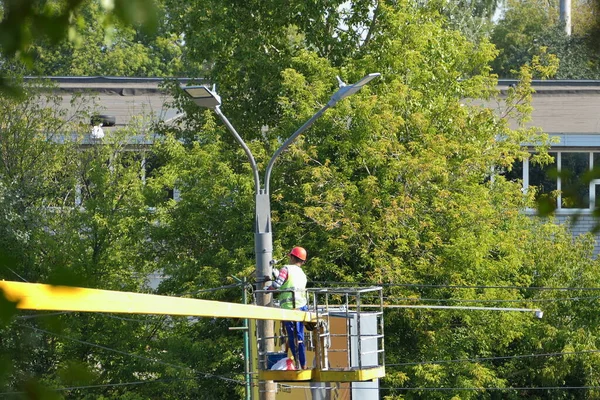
<point>357,332</point>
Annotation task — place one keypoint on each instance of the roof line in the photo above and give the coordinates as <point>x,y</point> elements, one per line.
<point>553,82</point>
<point>108,79</point>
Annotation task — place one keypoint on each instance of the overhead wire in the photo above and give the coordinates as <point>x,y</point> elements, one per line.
<point>493,300</point>
<point>478,359</point>
<point>209,375</point>
<point>431,389</point>
<point>206,374</point>
<point>33,316</point>
<point>327,388</point>
<point>483,389</point>
<point>209,290</point>
<point>103,385</point>
<point>440,286</point>
<point>14,272</point>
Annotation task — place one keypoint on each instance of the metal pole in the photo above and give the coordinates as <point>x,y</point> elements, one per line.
<point>565,15</point>
<point>263,238</point>
<point>263,248</point>
<point>246,329</point>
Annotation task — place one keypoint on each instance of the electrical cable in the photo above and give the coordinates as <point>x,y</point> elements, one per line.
<point>23,317</point>
<point>103,385</point>
<point>430,389</point>
<point>337,388</point>
<point>233,285</point>
<point>494,300</point>
<point>477,359</point>
<point>521,388</point>
<point>206,374</point>
<point>419,285</point>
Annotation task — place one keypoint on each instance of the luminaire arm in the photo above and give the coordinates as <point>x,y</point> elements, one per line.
<point>207,98</point>
<point>244,146</point>
<point>343,92</point>
<point>289,141</point>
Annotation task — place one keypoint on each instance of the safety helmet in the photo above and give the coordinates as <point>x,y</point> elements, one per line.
<point>299,252</point>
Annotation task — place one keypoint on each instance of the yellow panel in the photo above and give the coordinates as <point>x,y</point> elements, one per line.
<point>354,375</point>
<point>314,375</point>
<point>286,376</point>
<point>314,390</point>
<point>37,296</point>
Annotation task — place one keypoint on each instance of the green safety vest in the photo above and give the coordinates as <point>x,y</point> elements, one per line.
<point>296,281</point>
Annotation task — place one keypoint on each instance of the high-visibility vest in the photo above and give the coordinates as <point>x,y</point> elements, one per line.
<point>296,281</point>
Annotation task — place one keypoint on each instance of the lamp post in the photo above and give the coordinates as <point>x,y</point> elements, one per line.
<point>263,239</point>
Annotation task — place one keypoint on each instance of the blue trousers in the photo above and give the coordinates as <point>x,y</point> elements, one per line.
<point>295,332</point>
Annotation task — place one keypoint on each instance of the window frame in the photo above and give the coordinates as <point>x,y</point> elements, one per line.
<point>591,187</point>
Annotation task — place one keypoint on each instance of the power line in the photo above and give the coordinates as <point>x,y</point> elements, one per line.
<point>431,389</point>
<point>206,374</point>
<point>103,385</point>
<point>483,389</point>
<point>477,359</point>
<point>208,290</point>
<point>34,316</point>
<point>419,285</point>
<point>494,300</point>
<point>23,317</point>
<point>19,276</point>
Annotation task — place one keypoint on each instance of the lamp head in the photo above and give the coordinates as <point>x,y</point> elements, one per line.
<point>203,96</point>
<point>348,90</point>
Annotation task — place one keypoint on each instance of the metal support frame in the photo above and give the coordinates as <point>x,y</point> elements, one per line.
<point>343,303</point>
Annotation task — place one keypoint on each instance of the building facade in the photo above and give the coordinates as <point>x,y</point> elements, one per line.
<point>568,111</point>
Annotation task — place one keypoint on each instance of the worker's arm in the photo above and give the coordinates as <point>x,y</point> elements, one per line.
<point>281,278</point>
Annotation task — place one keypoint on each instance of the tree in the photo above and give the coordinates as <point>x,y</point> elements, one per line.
<point>25,25</point>
<point>110,47</point>
<point>392,186</point>
<point>79,216</point>
<point>529,27</point>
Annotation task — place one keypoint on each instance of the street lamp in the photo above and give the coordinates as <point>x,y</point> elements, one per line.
<point>263,240</point>
<point>208,98</point>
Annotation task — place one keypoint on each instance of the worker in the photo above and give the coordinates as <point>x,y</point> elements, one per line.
<point>291,277</point>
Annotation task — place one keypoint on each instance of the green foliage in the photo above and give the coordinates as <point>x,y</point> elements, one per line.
<point>531,28</point>
<point>85,37</point>
<point>103,44</point>
<point>79,215</point>
<point>394,186</point>
<point>23,22</point>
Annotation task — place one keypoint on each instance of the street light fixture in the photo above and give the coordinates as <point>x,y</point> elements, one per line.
<point>203,96</point>
<point>208,98</point>
<point>263,240</point>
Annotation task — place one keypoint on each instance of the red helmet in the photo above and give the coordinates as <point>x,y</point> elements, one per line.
<point>299,252</point>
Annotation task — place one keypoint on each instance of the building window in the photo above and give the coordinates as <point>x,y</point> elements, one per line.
<point>543,177</point>
<point>595,193</point>
<point>571,175</point>
<point>574,167</point>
